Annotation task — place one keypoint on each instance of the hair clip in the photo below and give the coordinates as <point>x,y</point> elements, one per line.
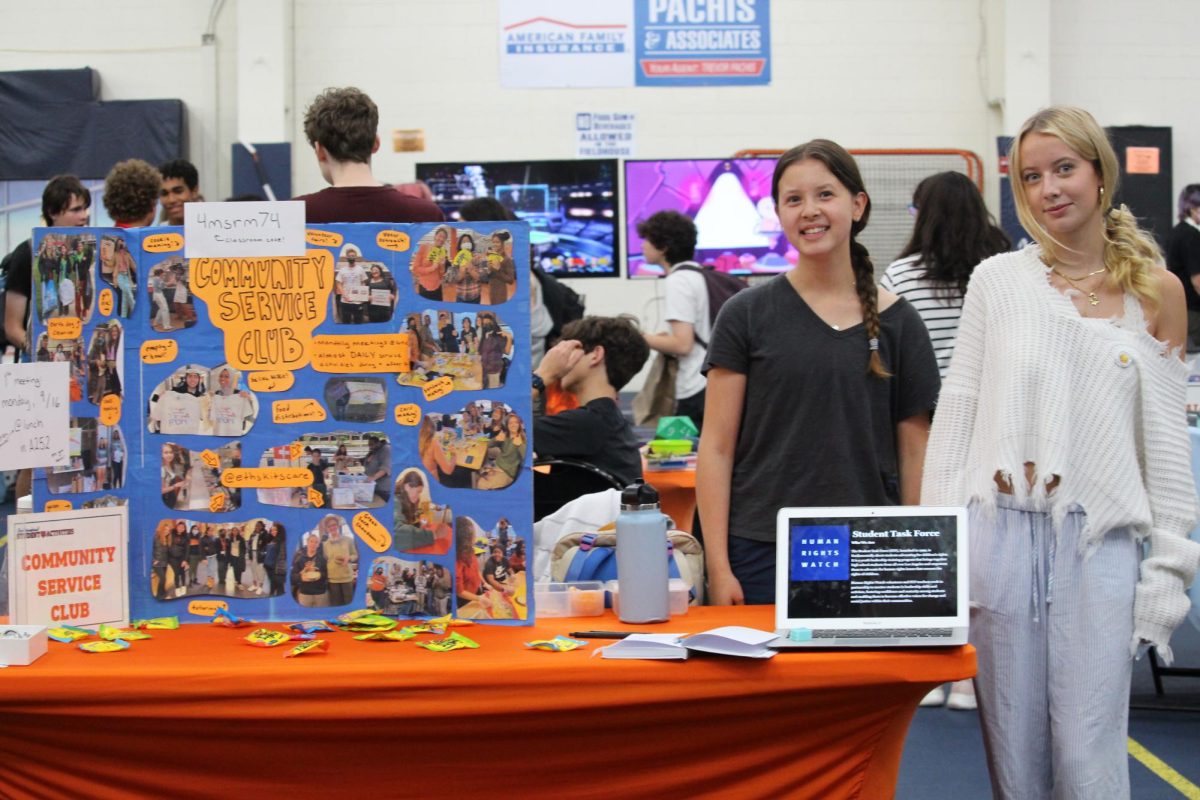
<point>873,344</point>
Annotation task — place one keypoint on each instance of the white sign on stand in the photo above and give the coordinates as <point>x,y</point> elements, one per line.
<point>34,415</point>
<point>69,567</point>
<point>243,230</point>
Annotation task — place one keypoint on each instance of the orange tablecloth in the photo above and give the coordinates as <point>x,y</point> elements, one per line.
<point>195,712</point>
<point>676,494</point>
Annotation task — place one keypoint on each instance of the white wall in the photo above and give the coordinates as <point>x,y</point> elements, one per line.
<point>868,73</point>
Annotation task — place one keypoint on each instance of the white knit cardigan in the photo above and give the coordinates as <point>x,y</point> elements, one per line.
<point>1099,403</point>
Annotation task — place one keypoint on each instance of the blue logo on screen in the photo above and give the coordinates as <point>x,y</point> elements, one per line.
<point>820,553</point>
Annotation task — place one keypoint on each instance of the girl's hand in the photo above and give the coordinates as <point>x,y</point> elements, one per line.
<point>724,590</point>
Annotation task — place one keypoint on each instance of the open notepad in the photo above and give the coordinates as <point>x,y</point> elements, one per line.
<point>732,640</point>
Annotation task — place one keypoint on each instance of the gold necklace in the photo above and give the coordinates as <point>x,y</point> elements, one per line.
<point>1092,298</point>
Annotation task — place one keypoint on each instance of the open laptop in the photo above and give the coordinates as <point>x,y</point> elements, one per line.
<point>871,576</point>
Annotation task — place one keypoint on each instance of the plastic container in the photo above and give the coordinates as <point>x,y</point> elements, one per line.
<point>578,599</point>
<point>21,645</point>
<point>642,556</point>
<point>680,596</point>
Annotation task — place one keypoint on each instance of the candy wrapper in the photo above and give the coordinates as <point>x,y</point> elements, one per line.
<point>115,646</point>
<point>423,627</point>
<point>266,638</point>
<point>351,616</point>
<point>455,641</point>
<point>314,646</point>
<point>371,622</point>
<point>313,626</point>
<point>227,620</point>
<point>156,624</point>
<point>110,634</point>
<point>385,636</point>
<point>68,633</point>
<point>449,621</point>
<point>559,644</point>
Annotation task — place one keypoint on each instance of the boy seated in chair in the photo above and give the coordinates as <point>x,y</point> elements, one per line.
<point>595,358</point>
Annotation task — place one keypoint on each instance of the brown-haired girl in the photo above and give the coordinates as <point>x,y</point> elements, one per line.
<point>820,386</point>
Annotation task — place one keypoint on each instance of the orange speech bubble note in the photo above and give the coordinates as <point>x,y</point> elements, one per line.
<point>387,352</point>
<point>266,307</point>
<point>207,608</point>
<point>106,302</point>
<point>393,240</point>
<point>110,409</point>
<point>159,351</point>
<point>322,238</point>
<point>275,381</point>
<point>315,498</point>
<point>297,450</point>
<point>58,505</point>
<point>162,243</point>
<point>264,477</point>
<point>216,502</point>
<point>372,531</point>
<point>64,327</point>
<point>305,410</point>
<point>210,459</point>
<point>408,414</point>
<point>438,388</point>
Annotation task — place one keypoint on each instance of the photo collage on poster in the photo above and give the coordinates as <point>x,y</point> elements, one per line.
<point>257,416</point>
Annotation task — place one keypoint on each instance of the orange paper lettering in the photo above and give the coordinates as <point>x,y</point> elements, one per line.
<point>239,477</point>
<point>438,387</point>
<point>216,502</point>
<point>408,414</point>
<point>106,301</point>
<point>162,243</point>
<point>110,409</point>
<point>372,531</point>
<point>277,381</point>
<point>315,498</point>
<point>267,307</point>
<point>393,240</point>
<point>64,327</point>
<point>322,238</point>
<point>207,608</point>
<point>159,351</point>
<point>58,505</point>
<point>386,352</point>
<point>210,459</point>
<point>307,410</point>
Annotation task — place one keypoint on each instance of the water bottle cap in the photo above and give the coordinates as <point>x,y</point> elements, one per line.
<point>639,495</point>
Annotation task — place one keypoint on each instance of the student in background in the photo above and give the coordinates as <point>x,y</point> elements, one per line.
<point>844,372</point>
<point>1183,257</point>
<point>953,232</point>
<point>131,191</point>
<point>669,241</point>
<point>1060,426</point>
<point>180,184</point>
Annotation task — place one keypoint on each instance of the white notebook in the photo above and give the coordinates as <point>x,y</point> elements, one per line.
<point>732,640</point>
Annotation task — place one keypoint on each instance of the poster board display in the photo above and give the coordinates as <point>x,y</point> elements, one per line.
<point>282,428</point>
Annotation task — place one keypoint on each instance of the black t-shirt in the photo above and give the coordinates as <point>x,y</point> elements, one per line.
<point>367,204</point>
<point>496,570</point>
<point>18,277</point>
<point>597,433</point>
<point>1183,258</point>
<point>816,428</point>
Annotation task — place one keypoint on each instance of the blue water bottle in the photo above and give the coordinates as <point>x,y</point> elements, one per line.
<point>642,557</point>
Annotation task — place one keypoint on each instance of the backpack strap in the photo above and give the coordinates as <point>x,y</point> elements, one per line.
<point>692,266</point>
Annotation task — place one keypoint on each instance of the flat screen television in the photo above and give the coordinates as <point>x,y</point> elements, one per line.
<point>570,205</point>
<point>730,201</point>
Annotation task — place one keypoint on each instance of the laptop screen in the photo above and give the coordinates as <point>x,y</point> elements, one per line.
<point>871,565</point>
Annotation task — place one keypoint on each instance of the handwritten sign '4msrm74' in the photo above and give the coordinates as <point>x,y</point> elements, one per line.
<point>232,230</point>
<point>35,415</point>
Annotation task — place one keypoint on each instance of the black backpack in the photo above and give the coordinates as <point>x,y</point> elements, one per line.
<point>564,303</point>
<point>720,285</point>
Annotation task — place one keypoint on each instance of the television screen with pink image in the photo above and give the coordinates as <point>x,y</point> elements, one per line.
<point>728,199</point>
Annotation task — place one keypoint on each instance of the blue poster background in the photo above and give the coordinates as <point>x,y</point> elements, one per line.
<point>164,477</point>
<point>685,43</point>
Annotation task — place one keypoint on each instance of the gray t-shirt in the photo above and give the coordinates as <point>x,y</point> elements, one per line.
<point>816,428</point>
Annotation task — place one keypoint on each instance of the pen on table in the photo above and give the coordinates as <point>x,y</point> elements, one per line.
<point>601,634</point>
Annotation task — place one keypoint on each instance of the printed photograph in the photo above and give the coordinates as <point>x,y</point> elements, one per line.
<point>189,484</point>
<point>475,349</point>
<point>71,351</point>
<point>350,469</point>
<point>104,363</point>
<point>464,266</point>
<point>243,560</point>
<point>363,291</point>
<point>98,456</point>
<point>408,589</point>
<point>489,571</point>
<point>421,526</point>
<point>357,399</point>
<point>482,447</point>
<point>325,565</point>
<point>62,276</point>
<point>118,270</point>
<point>196,400</point>
<point>171,304</point>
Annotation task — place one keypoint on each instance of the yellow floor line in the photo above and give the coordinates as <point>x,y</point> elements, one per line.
<point>1164,771</point>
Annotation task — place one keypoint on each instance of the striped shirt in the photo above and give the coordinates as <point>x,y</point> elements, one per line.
<point>938,309</point>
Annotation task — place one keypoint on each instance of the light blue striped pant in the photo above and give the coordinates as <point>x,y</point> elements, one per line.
<point>1052,632</point>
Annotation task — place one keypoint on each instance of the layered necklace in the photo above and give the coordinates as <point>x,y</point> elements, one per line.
<point>1074,282</point>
